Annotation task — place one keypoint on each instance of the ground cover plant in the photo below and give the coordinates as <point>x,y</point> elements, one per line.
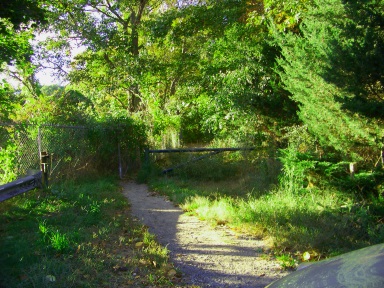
<point>299,222</point>
<point>78,234</point>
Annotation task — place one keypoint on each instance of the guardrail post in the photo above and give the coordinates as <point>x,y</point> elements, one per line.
<point>44,157</point>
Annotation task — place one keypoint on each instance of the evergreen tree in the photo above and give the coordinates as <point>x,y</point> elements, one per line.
<point>334,62</point>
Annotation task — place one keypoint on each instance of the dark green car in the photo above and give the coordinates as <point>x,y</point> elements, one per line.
<point>360,268</point>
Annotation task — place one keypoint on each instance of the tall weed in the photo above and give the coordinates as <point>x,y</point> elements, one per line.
<point>221,211</point>
<point>295,170</point>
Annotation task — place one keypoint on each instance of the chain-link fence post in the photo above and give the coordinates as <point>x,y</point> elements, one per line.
<point>44,158</point>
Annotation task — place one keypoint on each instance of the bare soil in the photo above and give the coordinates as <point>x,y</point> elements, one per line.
<point>206,256</point>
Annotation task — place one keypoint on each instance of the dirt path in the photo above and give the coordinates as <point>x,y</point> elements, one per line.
<point>207,256</point>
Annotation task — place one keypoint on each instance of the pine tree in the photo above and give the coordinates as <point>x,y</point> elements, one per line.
<point>333,69</point>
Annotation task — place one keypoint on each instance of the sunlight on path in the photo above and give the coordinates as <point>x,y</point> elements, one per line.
<point>207,256</point>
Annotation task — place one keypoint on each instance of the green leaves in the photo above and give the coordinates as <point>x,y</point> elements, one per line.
<point>8,162</point>
<point>323,84</point>
<point>20,12</point>
<point>15,44</point>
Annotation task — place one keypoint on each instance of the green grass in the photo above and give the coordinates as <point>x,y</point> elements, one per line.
<point>321,221</point>
<point>79,234</point>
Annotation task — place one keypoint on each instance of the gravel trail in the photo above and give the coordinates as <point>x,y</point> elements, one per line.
<point>207,256</point>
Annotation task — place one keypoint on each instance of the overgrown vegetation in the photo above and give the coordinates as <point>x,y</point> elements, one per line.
<point>78,234</point>
<point>301,81</point>
<point>297,215</point>
<point>94,148</point>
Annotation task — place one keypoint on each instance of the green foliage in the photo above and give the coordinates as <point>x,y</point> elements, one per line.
<point>18,152</point>
<point>287,15</point>
<point>219,74</point>
<point>209,19</point>
<point>55,105</point>
<point>57,240</point>
<point>17,22</point>
<point>320,222</point>
<point>322,85</point>
<point>109,69</point>
<point>213,168</point>
<point>125,135</point>
<point>193,122</point>
<point>307,165</point>
<point>6,92</point>
<point>296,167</point>
<point>219,211</point>
<point>111,146</point>
<point>359,53</point>
<point>21,12</point>
<point>287,261</point>
<point>8,162</point>
<point>14,42</point>
<point>225,73</point>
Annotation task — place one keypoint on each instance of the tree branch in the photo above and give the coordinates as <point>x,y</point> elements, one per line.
<point>122,20</point>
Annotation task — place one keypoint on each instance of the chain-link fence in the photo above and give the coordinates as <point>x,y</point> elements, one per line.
<point>73,150</point>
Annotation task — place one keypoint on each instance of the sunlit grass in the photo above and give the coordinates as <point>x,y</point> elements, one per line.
<point>319,220</point>
<point>80,234</point>
<point>220,211</point>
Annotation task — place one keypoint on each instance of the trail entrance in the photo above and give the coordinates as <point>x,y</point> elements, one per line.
<point>207,256</point>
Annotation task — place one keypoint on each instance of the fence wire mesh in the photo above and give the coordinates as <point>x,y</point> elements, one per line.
<point>73,151</point>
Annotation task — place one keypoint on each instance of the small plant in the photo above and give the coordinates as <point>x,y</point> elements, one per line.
<point>59,241</point>
<point>94,207</point>
<point>287,262</point>
<point>43,228</point>
<point>148,238</point>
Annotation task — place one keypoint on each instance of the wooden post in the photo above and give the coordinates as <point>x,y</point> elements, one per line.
<point>44,156</point>
<point>352,169</point>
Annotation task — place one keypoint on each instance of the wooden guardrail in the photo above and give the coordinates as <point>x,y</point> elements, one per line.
<point>20,186</point>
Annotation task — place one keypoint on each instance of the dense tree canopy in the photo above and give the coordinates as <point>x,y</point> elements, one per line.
<point>15,18</point>
<point>248,72</point>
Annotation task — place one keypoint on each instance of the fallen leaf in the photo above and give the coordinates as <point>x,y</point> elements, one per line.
<point>139,245</point>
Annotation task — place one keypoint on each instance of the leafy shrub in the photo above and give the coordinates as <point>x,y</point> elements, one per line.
<point>296,167</point>
<point>8,163</point>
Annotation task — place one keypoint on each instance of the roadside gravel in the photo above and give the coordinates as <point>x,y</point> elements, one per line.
<point>207,256</point>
